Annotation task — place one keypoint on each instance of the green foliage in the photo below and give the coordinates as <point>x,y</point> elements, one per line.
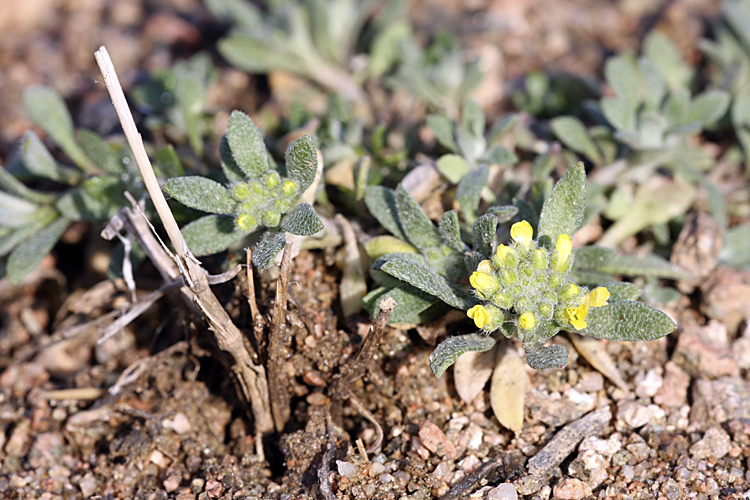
<point>262,197</point>
<point>450,349</point>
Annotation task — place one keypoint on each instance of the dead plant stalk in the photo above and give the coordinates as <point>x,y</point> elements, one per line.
<point>250,375</point>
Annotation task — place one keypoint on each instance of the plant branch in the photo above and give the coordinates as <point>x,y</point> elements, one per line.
<point>276,380</point>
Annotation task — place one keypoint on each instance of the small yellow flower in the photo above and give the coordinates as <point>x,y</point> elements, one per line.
<point>563,249</point>
<point>501,255</point>
<point>540,259</point>
<point>522,232</point>
<point>481,281</point>
<point>527,321</point>
<point>485,267</point>
<point>480,315</point>
<point>570,291</point>
<point>597,297</point>
<point>577,316</point>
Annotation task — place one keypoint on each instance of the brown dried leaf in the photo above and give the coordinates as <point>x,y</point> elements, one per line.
<point>508,389</point>
<point>471,371</point>
<point>595,352</point>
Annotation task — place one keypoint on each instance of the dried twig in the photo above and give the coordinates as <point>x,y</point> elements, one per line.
<point>254,311</point>
<point>356,370</point>
<point>276,381</point>
<point>251,376</point>
<point>461,488</point>
<point>324,471</point>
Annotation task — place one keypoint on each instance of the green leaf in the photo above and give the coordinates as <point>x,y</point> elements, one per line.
<point>211,234</point>
<point>47,109</point>
<point>499,155</point>
<point>572,133</point>
<point>101,153</point>
<point>660,50</point>
<point>268,248</point>
<point>448,351</point>
<point>302,220</point>
<point>649,265</point>
<point>540,357</point>
<point>246,144</point>
<point>201,194</point>
<point>469,192</point>
<point>302,162</point>
<point>592,258</point>
<point>527,212</point>
<point>453,167</point>
<point>473,119</point>
<point>13,186</point>
<point>419,229</point>
<point>442,127</point>
<point>503,213</point>
<point>168,163</point>
<point>27,256</point>
<point>619,113</point>
<point>472,147</point>
<point>232,171</point>
<point>43,216</point>
<point>38,160</point>
<point>622,290</point>
<point>429,281</point>
<point>654,87</point>
<point>484,231</point>
<point>627,321</point>
<point>564,209</point>
<point>410,303</point>
<point>709,107</point>
<point>450,230</point>
<point>622,76</point>
<point>381,203</point>
<point>735,251</point>
<point>501,127</point>
<point>386,244</point>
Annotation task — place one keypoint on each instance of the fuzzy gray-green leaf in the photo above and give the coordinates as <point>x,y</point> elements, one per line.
<point>503,213</point>
<point>622,76</point>
<point>540,357</point>
<point>27,256</point>
<point>484,231</point>
<point>622,290</point>
<point>246,144</point>
<point>619,113</point>
<point>592,258</point>
<point>410,304</point>
<point>47,109</point>
<point>232,171</point>
<point>302,161</point>
<point>211,234</point>
<point>38,160</point>
<point>419,229</point>
<point>649,266</point>
<point>450,230</point>
<point>473,119</point>
<point>101,153</point>
<point>469,192</point>
<point>448,351</point>
<point>571,132</point>
<point>499,155</point>
<point>268,248</point>
<point>381,203</point>
<point>429,281</point>
<point>564,209</point>
<point>709,107</point>
<point>302,220</point>
<point>453,167</point>
<point>442,127</point>
<point>627,321</point>
<point>201,194</point>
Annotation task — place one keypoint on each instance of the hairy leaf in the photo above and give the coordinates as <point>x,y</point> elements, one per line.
<point>473,119</point>
<point>302,220</point>
<point>499,155</point>
<point>619,113</point>
<point>446,353</point>
<point>503,213</point>
<point>564,209</point>
<point>622,290</point>
<point>232,171</point>
<point>442,127</point>
<point>450,230</point>
<point>453,167</point>
<point>381,203</point>
<point>592,258</point>
<point>649,265</point>
<point>101,153</point>
<point>38,160</point>
<point>627,320</point>
<point>429,281</point>
<point>13,186</point>
<point>419,229</point>
<point>42,217</point>
<point>201,194</point>
<point>571,132</point>
<point>469,192</point>
<point>268,248</point>
<point>383,245</point>
<point>27,256</point>
<point>484,231</point>
<point>622,76</point>
<point>211,234</point>
<point>709,107</point>
<point>246,144</point>
<point>410,304</point>
<point>302,162</point>
<point>541,357</point>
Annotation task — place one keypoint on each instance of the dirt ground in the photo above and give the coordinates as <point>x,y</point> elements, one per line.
<point>152,412</point>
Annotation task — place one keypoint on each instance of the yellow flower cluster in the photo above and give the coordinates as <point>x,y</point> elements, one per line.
<point>525,284</point>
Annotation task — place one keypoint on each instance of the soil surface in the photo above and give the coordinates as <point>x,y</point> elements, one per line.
<point>152,413</point>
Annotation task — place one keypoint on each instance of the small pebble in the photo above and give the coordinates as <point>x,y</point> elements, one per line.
<point>180,423</point>
<point>503,491</point>
<point>346,469</point>
<point>88,485</point>
<point>571,489</point>
<point>716,443</point>
<point>376,469</point>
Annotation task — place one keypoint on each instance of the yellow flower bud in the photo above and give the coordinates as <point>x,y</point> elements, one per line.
<point>246,222</point>
<point>570,291</point>
<point>527,321</point>
<point>484,284</point>
<point>522,232</point>
<point>597,297</point>
<point>539,259</point>
<point>563,249</point>
<point>480,315</point>
<point>485,267</point>
<point>577,315</point>
<point>501,255</point>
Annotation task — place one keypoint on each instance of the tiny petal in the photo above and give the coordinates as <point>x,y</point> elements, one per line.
<point>485,267</point>
<point>564,246</point>
<point>597,297</point>
<point>527,321</point>
<point>570,291</point>
<point>577,316</point>
<point>501,254</point>
<point>522,232</point>
<point>481,281</point>
<point>480,315</point>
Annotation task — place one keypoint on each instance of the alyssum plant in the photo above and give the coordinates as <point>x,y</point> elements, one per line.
<point>524,291</point>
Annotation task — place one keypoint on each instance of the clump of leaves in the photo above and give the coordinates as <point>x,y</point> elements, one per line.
<point>437,254</point>
<point>33,220</point>
<point>174,100</point>
<point>522,290</point>
<point>260,197</point>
